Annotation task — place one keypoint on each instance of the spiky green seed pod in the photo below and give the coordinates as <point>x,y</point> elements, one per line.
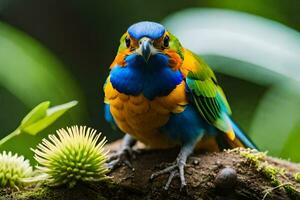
<point>13,169</point>
<point>73,155</point>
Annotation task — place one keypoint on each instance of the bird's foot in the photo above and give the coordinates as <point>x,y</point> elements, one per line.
<point>175,170</point>
<point>122,157</point>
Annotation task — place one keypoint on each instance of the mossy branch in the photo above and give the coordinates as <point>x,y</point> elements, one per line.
<point>232,174</point>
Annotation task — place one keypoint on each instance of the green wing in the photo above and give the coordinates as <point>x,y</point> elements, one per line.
<point>206,94</point>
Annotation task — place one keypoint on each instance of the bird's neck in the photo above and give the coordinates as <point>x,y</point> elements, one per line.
<point>152,79</point>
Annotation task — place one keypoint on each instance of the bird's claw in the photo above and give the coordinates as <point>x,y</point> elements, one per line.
<point>121,157</point>
<point>175,170</point>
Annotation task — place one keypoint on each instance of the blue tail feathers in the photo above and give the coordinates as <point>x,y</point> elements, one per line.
<point>241,136</point>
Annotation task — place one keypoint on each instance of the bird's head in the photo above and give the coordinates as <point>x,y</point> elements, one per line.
<point>147,39</point>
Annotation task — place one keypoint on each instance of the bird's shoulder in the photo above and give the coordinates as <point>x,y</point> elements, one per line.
<point>205,91</point>
<point>193,66</point>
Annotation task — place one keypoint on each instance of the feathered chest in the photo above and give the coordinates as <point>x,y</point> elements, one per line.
<point>143,117</point>
<point>142,96</point>
<point>152,79</point>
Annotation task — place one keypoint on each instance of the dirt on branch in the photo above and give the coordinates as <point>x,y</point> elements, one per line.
<point>235,174</point>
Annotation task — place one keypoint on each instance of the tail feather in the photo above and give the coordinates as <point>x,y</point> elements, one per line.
<point>240,140</point>
<point>241,137</point>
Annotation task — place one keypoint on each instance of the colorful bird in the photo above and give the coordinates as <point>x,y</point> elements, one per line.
<point>163,95</point>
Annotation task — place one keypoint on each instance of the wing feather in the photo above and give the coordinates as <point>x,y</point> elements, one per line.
<point>206,94</point>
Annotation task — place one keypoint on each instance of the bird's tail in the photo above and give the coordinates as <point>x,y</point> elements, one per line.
<point>240,139</point>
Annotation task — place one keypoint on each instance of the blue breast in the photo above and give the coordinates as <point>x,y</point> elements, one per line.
<point>151,79</point>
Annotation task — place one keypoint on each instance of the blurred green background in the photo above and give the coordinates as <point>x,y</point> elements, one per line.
<point>61,50</point>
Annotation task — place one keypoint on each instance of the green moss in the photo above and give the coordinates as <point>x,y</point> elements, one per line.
<point>253,156</point>
<point>292,191</point>
<point>297,176</point>
<point>31,193</point>
<point>53,193</point>
<point>271,172</point>
<point>289,188</point>
<point>38,193</point>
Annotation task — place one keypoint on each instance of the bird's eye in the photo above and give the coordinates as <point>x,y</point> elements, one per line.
<point>166,41</point>
<point>127,41</point>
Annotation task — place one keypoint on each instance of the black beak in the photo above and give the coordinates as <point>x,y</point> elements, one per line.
<point>146,48</point>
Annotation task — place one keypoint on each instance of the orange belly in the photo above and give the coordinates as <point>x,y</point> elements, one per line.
<point>142,118</point>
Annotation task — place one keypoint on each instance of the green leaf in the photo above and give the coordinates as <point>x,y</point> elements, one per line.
<point>39,112</point>
<point>26,65</point>
<point>51,116</point>
<point>38,119</point>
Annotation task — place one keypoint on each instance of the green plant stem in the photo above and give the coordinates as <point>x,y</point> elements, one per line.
<point>10,136</point>
<point>267,192</point>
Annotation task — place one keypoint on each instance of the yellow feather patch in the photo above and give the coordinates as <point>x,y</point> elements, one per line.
<point>138,99</point>
<point>189,63</point>
<point>116,103</point>
<point>235,143</point>
<point>176,100</point>
<point>118,114</point>
<point>141,117</point>
<point>123,97</point>
<point>159,108</point>
<point>177,96</point>
<point>138,108</point>
<point>230,134</point>
<point>110,92</point>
